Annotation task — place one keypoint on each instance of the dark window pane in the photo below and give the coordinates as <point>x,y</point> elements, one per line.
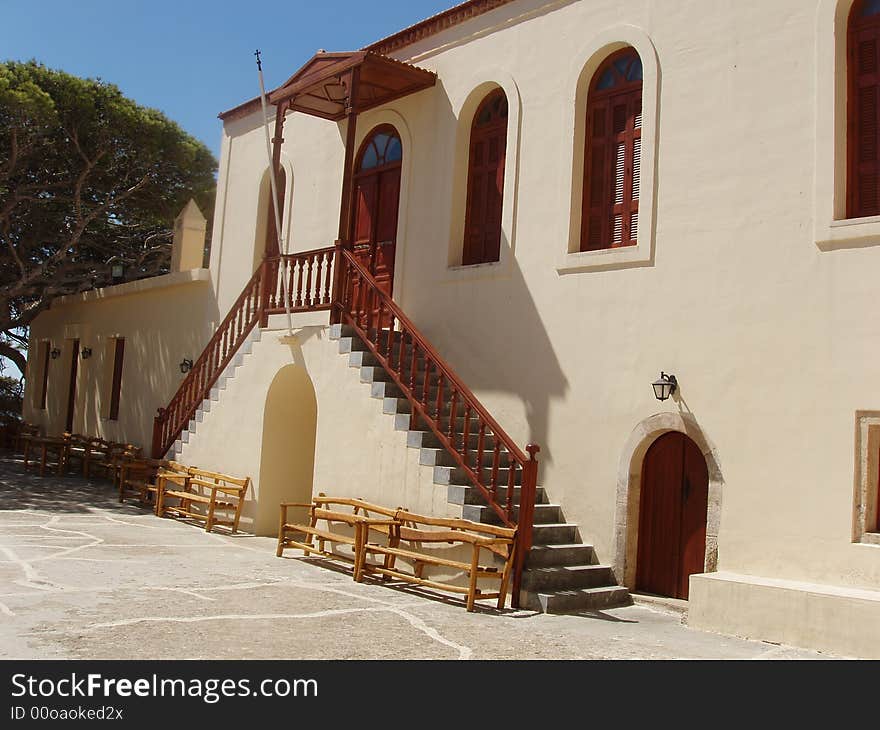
<point>371,158</point>
<point>394,151</point>
<point>870,7</point>
<point>608,80</point>
<point>635,71</point>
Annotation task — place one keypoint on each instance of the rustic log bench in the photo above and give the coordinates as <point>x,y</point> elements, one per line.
<point>421,532</point>
<point>355,514</point>
<point>204,490</point>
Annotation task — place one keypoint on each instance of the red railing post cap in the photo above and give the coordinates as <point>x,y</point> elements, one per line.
<point>533,449</point>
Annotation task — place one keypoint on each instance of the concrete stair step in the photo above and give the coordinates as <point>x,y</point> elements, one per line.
<point>545,514</point>
<point>581,599</point>
<point>542,556</point>
<point>441,457</point>
<point>444,475</point>
<point>555,534</point>
<point>567,577</point>
<point>467,494</point>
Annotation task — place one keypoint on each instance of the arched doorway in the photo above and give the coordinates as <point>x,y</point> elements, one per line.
<point>377,196</point>
<point>673,507</point>
<point>287,462</point>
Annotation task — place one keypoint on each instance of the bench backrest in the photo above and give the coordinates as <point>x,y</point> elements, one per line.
<point>358,506</point>
<point>495,538</point>
<point>204,478</point>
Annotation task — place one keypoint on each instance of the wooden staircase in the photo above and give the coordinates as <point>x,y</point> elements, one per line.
<point>481,467</point>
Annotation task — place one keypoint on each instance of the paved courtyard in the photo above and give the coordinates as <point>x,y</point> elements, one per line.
<point>84,577</point>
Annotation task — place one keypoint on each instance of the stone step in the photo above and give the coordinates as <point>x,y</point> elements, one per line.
<point>555,534</point>
<point>427,439</point>
<point>544,513</point>
<point>402,422</point>
<point>441,457</point>
<point>466,494</point>
<point>582,599</point>
<point>541,556</point>
<point>566,577</point>
<point>444,475</point>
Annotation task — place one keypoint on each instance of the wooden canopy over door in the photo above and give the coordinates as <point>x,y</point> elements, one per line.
<point>337,86</point>
<point>672,516</point>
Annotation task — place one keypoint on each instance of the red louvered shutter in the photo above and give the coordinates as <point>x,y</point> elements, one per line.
<point>612,154</point>
<point>863,138</point>
<point>485,192</point>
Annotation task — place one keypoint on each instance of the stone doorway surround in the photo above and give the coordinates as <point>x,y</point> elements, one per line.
<point>629,477</point>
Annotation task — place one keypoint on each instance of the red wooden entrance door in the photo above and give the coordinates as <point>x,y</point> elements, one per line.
<point>672,516</point>
<point>377,196</point>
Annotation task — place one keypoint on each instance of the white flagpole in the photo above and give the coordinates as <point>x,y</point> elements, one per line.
<point>282,249</point>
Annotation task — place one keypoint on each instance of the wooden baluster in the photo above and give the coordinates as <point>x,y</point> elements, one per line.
<point>525,520</point>
<point>426,383</point>
<point>328,265</point>
<point>401,359</point>
<point>368,313</point>
<point>296,267</point>
<point>377,334</point>
<point>439,400</point>
<point>511,483</point>
<point>481,442</point>
<point>308,299</point>
<point>389,340</point>
<point>452,407</point>
<point>496,460</point>
<point>465,439</point>
<point>412,370</point>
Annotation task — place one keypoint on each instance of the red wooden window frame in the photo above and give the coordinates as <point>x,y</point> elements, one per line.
<point>863,110</point>
<point>116,385</point>
<point>485,188</point>
<point>44,374</point>
<point>612,153</point>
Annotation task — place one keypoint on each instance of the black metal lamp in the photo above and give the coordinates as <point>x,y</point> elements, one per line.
<point>665,386</point>
<point>55,353</point>
<point>86,353</point>
<point>186,365</point>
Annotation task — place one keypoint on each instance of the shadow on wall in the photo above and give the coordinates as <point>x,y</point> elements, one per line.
<point>503,353</point>
<point>287,464</point>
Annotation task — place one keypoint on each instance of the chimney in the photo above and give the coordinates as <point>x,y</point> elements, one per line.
<point>188,248</point>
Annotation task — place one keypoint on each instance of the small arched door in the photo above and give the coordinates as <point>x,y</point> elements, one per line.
<point>672,516</point>
<point>377,196</point>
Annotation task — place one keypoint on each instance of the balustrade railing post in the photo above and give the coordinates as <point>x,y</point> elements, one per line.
<point>338,282</point>
<point>263,299</point>
<point>525,520</point>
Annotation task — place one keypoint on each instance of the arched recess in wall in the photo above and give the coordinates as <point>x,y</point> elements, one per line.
<point>481,87</point>
<point>264,233</point>
<point>594,54</point>
<point>287,462</point>
<point>629,482</point>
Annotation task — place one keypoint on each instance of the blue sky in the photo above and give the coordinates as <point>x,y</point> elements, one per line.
<point>194,58</point>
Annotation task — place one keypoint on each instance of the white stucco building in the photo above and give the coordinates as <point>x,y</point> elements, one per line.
<point>564,199</point>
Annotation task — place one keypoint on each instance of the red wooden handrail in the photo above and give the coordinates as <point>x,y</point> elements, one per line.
<point>387,331</point>
<point>308,278</point>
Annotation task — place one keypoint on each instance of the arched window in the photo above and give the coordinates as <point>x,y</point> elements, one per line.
<point>381,149</point>
<point>485,189</point>
<point>612,164</point>
<point>863,110</point>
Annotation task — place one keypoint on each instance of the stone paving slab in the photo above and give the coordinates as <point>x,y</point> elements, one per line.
<point>84,577</point>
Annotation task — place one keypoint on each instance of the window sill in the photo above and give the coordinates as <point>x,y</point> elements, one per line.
<point>871,538</point>
<point>849,233</point>
<point>471,272</point>
<point>623,257</point>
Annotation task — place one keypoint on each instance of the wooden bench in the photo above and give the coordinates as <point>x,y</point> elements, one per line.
<point>420,531</point>
<point>355,514</point>
<point>212,491</point>
<point>144,478</point>
<point>109,462</point>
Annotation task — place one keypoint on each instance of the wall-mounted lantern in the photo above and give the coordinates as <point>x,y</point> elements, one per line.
<point>117,271</point>
<point>665,386</point>
<point>186,365</point>
<point>86,353</point>
<point>55,353</point>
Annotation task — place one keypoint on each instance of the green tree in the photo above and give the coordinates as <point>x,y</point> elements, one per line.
<point>88,179</point>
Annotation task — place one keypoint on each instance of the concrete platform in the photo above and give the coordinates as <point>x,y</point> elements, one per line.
<point>82,576</point>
